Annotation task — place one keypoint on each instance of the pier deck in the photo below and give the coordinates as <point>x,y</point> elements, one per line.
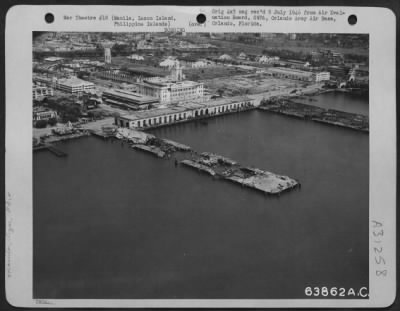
<point>215,165</point>
<point>150,149</point>
<point>199,166</point>
<point>308,112</point>
<point>265,181</point>
<point>52,149</point>
<point>178,146</point>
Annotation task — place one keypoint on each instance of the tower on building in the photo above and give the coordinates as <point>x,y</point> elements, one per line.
<point>107,55</point>
<point>177,73</point>
<point>107,51</point>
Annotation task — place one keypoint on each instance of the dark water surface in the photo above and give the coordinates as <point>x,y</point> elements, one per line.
<point>341,101</point>
<point>111,222</point>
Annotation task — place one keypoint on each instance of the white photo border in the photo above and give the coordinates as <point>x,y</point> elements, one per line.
<point>22,20</point>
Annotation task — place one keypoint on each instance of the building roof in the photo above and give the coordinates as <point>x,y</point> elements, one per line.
<point>53,59</point>
<point>135,97</point>
<point>283,70</point>
<point>74,82</point>
<point>168,63</point>
<point>158,81</point>
<point>41,109</point>
<point>180,108</point>
<point>136,57</point>
<point>143,114</point>
<point>225,56</point>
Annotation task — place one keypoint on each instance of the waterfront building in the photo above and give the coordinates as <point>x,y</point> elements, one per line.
<point>42,113</point>
<point>322,76</point>
<point>296,74</point>
<point>74,85</point>
<point>127,99</point>
<point>338,71</point>
<point>183,112</point>
<point>171,89</point>
<point>39,92</point>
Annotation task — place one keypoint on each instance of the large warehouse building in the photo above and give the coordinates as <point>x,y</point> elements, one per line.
<point>73,85</point>
<point>129,100</point>
<point>301,75</point>
<point>179,113</point>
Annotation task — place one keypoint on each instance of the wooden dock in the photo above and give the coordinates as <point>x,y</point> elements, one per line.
<point>52,149</point>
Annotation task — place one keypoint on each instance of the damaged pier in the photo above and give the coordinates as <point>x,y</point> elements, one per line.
<point>230,170</point>
<point>291,108</point>
<point>212,164</point>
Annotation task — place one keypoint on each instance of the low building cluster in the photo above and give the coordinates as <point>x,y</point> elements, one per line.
<point>41,91</point>
<point>42,113</point>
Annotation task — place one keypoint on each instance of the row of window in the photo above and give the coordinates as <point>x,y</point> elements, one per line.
<point>182,116</point>
<point>162,120</point>
<point>293,77</point>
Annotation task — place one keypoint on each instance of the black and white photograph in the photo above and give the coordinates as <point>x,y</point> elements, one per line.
<point>200,165</point>
<point>240,157</point>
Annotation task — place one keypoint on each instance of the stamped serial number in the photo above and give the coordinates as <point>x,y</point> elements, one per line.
<point>378,234</point>
<point>336,292</point>
<point>174,29</point>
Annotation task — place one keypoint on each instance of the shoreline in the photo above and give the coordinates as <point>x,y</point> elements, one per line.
<point>93,128</point>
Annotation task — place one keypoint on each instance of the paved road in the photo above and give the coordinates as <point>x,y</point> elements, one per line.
<point>96,125</point>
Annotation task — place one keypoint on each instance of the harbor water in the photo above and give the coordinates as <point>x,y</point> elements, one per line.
<point>339,100</point>
<point>113,222</point>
